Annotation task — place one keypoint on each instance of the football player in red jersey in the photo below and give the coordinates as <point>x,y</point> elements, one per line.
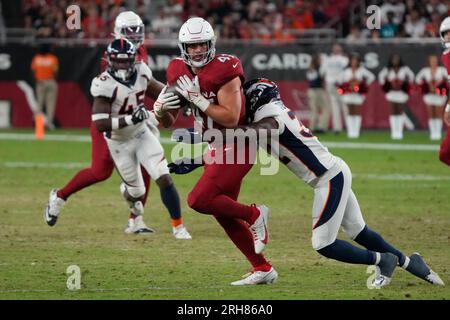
<point>212,83</point>
<point>444,31</point>
<point>129,26</point>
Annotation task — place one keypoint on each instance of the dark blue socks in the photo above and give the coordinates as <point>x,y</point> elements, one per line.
<point>373,241</point>
<point>171,200</point>
<point>345,252</point>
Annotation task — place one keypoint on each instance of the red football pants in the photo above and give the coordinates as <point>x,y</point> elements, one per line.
<point>216,193</point>
<point>101,168</point>
<point>444,152</point>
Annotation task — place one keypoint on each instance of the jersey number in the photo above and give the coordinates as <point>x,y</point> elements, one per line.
<point>224,57</point>
<point>304,131</point>
<point>128,109</point>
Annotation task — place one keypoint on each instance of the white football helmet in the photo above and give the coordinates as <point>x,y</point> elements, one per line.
<point>445,26</point>
<point>197,30</point>
<point>129,26</point>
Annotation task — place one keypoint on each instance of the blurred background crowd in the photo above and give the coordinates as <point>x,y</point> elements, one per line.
<point>279,20</point>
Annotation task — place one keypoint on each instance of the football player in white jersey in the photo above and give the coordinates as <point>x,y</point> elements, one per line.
<point>335,205</point>
<point>120,114</point>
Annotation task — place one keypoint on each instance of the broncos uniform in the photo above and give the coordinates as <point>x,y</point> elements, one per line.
<point>304,155</point>
<point>335,204</point>
<point>134,144</point>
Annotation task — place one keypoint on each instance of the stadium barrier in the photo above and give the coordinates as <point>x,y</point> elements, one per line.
<point>286,64</point>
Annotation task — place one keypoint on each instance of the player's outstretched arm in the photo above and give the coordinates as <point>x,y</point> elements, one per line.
<point>101,115</point>
<point>185,165</point>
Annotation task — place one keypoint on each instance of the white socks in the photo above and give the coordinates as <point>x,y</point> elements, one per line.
<point>435,126</point>
<point>353,125</point>
<point>397,123</point>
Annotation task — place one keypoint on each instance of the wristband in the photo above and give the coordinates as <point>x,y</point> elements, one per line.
<point>115,123</point>
<point>128,120</point>
<point>201,102</point>
<point>447,108</point>
<point>99,116</point>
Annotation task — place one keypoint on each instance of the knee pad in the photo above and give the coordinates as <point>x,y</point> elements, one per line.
<point>136,192</point>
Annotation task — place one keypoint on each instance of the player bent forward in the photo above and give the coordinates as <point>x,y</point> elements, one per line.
<point>335,205</point>
<point>119,113</point>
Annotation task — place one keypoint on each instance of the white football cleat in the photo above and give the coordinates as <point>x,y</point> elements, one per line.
<point>419,268</point>
<point>259,229</point>
<point>257,277</point>
<point>180,232</point>
<point>384,270</point>
<point>53,208</point>
<point>138,226</point>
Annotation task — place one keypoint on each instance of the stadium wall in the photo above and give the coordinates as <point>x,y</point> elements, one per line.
<point>285,64</point>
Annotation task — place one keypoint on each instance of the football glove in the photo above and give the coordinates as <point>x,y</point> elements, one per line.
<point>190,89</point>
<point>140,114</point>
<point>184,166</point>
<point>165,101</point>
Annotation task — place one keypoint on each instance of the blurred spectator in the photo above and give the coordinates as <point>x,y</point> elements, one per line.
<point>436,6</point>
<point>415,25</point>
<point>279,20</point>
<point>165,23</point>
<point>355,35</point>
<point>353,89</point>
<point>389,29</point>
<point>395,6</point>
<point>395,80</point>
<point>93,24</point>
<point>2,28</point>
<point>432,27</point>
<point>317,98</point>
<point>433,82</point>
<point>45,67</point>
<point>332,68</point>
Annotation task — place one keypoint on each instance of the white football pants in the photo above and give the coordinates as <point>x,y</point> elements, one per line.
<point>143,148</point>
<point>335,205</point>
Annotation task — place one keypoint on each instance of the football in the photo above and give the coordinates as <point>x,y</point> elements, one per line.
<point>183,101</point>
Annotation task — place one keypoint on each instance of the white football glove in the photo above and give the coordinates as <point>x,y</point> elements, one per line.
<point>191,91</point>
<point>165,101</point>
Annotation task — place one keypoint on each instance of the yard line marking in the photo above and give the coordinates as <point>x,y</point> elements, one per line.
<point>59,165</point>
<point>382,146</point>
<point>338,145</point>
<point>400,176</point>
<point>362,175</point>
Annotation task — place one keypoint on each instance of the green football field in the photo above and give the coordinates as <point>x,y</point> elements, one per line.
<point>403,193</point>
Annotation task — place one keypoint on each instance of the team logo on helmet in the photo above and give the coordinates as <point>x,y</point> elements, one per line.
<point>259,92</point>
<point>121,55</point>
